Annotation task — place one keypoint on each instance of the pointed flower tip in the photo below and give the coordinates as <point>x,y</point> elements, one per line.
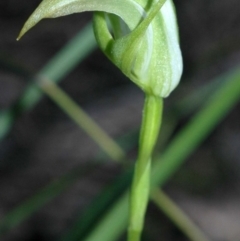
<point>27,26</point>
<point>22,32</point>
<point>31,22</point>
<point>19,36</point>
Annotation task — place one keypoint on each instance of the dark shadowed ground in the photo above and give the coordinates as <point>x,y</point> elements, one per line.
<point>44,143</point>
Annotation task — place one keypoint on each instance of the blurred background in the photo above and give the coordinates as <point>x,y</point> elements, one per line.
<point>43,143</point>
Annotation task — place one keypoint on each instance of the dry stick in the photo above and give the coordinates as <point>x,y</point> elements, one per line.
<point>80,117</point>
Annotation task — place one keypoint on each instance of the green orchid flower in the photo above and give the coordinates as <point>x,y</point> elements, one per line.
<point>146,51</point>
<point>141,38</point>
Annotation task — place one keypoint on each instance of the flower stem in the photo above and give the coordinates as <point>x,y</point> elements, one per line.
<point>152,116</point>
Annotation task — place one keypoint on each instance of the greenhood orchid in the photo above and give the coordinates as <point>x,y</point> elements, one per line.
<point>146,51</point>
<point>141,38</point>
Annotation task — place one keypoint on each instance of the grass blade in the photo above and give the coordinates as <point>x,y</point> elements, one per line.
<point>34,203</point>
<point>190,137</point>
<point>56,69</point>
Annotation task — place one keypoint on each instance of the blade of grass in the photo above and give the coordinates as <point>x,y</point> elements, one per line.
<point>98,206</point>
<point>34,203</point>
<point>81,118</point>
<point>62,63</point>
<point>190,137</point>
<point>113,224</point>
<point>193,100</point>
<point>57,68</point>
<point>6,121</point>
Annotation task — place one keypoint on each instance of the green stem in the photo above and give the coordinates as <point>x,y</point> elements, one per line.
<point>81,118</point>
<point>149,132</point>
<point>178,217</point>
<point>139,196</point>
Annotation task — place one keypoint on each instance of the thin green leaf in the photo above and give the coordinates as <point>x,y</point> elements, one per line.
<point>27,208</point>
<point>96,210</point>
<point>55,70</point>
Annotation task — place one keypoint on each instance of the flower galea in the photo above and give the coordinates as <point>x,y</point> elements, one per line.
<point>139,36</point>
